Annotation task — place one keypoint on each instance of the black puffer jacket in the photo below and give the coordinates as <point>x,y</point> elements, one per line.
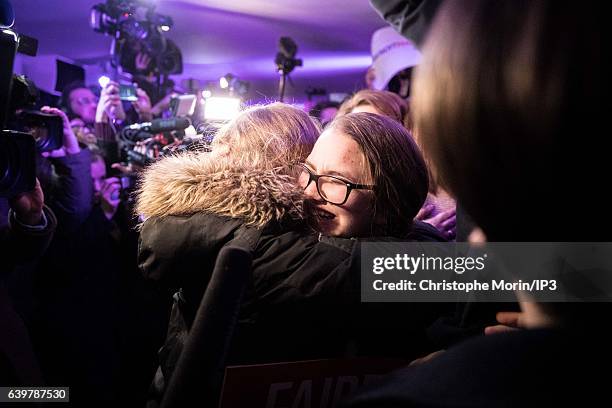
<point>303,300</point>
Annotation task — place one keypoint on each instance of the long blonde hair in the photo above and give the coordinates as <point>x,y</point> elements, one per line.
<point>252,150</point>
<point>267,136</point>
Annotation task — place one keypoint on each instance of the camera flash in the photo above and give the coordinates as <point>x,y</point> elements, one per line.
<point>103,81</point>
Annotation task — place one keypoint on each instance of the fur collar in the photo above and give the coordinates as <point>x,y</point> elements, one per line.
<point>189,183</point>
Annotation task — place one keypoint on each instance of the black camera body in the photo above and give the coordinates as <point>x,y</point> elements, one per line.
<point>135,27</point>
<point>285,58</point>
<point>17,163</point>
<point>9,42</point>
<point>17,149</point>
<point>47,129</point>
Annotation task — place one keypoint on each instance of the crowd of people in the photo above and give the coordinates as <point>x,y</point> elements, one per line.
<point>86,316</point>
<point>103,285</point>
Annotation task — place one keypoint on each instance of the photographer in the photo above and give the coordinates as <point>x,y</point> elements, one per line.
<point>91,296</point>
<point>96,121</point>
<point>65,178</point>
<point>77,292</point>
<point>107,191</point>
<point>80,102</point>
<point>110,108</point>
<point>111,116</point>
<point>144,70</point>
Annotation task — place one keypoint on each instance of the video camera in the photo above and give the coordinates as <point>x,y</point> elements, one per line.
<point>148,141</point>
<point>286,62</point>
<point>135,27</point>
<point>18,95</point>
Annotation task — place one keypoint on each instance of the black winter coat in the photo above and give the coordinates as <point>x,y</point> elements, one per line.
<point>303,300</point>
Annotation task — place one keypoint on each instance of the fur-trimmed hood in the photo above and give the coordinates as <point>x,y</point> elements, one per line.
<point>189,183</point>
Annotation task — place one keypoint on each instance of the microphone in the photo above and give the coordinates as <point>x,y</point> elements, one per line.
<point>161,125</point>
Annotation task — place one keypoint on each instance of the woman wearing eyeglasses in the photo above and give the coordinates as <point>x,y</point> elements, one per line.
<point>364,178</point>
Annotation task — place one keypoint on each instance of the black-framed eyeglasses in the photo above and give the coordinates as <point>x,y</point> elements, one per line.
<point>333,189</point>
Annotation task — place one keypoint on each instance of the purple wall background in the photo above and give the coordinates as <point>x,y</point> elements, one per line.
<point>221,36</point>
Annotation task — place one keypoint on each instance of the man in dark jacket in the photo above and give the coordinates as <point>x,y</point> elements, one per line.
<point>73,300</point>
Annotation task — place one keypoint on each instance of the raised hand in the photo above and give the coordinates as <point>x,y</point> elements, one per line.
<point>70,141</point>
<point>109,105</point>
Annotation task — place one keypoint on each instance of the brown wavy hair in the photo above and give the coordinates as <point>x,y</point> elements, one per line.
<point>396,168</point>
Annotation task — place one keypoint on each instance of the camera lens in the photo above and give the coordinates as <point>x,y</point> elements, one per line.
<point>46,129</point>
<point>41,136</point>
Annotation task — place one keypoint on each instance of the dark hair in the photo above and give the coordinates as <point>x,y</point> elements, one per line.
<point>65,99</point>
<point>501,98</point>
<point>396,167</point>
<point>390,105</point>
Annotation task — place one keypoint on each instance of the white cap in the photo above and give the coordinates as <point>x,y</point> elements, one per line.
<point>391,53</point>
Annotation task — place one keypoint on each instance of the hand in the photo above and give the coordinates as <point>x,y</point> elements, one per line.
<point>425,212</point>
<point>445,222</point>
<point>70,141</point>
<point>128,168</point>
<point>477,236</point>
<point>109,105</point>
<point>162,105</point>
<point>28,206</point>
<point>109,196</point>
<point>143,105</point>
<point>142,61</point>
<point>508,321</point>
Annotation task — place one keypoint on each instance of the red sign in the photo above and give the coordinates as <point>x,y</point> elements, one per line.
<point>302,384</point>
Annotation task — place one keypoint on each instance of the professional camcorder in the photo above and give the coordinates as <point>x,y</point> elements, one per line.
<point>193,124</point>
<point>39,131</point>
<point>135,28</point>
<point>146,142</point>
